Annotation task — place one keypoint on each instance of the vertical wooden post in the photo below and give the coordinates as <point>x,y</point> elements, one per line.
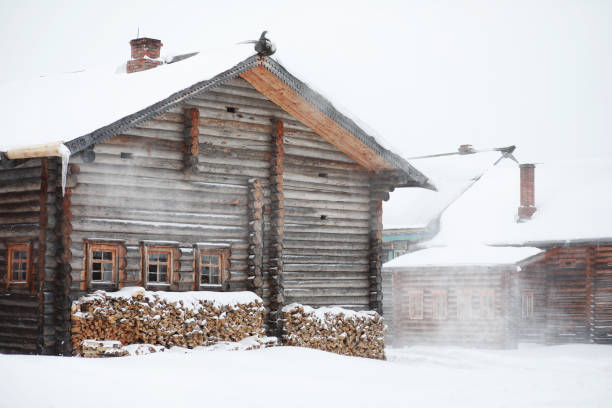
<point>590,323</point>
<point>378,192</point>
<point>192,143</point>
<point>255,250</point>
<point>277,292</point>
<point>63,277</point>
<point>38,276</point>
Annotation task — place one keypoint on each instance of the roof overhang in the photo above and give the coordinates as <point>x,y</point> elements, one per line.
<point>306,105</point>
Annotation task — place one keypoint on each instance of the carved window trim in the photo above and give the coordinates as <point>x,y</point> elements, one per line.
<point>415,304</point>
<point>527,304</point>
<point>117,247</point>
<point>223,255</point>
<point>439,304</point>
<point>464,304</point>
<point>169,263</point>
<point>92,260</point>
<point>487,304</point>
<point>11,248</point>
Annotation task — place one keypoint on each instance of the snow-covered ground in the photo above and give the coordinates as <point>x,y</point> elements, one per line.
<point>532,376</point>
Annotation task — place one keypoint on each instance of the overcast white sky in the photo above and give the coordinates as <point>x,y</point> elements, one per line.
<point>426,75</point>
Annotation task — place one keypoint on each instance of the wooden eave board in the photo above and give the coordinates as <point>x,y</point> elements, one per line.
<point>281,94</point>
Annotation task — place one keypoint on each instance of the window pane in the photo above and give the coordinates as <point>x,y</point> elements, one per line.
<point>23,266</point>
<point>214,260</point>
<point>97,254</point>
<point>153,257</point>
<point>163,277</point>
<point>20,255</point>
<point>205,259</point>
<point>96,266</point>
<point>108,256</point>
<point>163,268</point>
<point>22,275</point>
<point>204,279</point>
<point>152,277</point>
<point>15,276</point>
<point>96,275</point>
<point>153,268</point>
<point>108,275</point>
<point>163,257</point>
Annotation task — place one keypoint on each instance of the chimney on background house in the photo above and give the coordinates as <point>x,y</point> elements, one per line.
<point>145,54</point>
<point>527,207</point>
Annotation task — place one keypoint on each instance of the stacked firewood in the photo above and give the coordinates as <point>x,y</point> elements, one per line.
<point>150,318</point>
<point>102,348</point>
<point>335,329</point>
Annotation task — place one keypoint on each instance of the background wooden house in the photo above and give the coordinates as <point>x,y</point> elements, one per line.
<point>215,173</point>
<point>563,294</point>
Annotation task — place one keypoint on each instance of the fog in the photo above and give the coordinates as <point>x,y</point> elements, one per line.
<point>426,76</point>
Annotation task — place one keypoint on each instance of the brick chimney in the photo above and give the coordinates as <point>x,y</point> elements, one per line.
<point>145,54</point>
<point>527,207</point>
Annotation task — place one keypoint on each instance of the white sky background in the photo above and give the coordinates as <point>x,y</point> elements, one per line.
<point>425,75</point>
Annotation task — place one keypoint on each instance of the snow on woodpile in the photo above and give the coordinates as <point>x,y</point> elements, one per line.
<point>187,319</point>
<point>335,329</point>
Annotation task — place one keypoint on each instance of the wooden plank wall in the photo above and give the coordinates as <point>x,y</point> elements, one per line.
<point>20,210</point>
<point>451,331</point>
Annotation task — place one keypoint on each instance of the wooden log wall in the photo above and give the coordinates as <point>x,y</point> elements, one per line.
<point>532,278</point>
<point>475,331</point>
<point>277,230</point>
<point>22,212</point>
<point>327,225</point>
<point>148,184</point>
<point>573,286</point>
<point>601,303</point>
<point>255,252</point>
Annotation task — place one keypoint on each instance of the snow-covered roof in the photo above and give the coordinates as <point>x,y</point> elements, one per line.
<point>65,107</point>
<point>573,200</point>
<point>81,109</point>
<point>452,175</point>
<point>463,255</point>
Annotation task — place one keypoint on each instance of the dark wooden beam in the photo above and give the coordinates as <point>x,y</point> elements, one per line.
<point>277,221</point>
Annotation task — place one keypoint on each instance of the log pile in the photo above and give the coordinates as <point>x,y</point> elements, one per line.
<point>186,319</point>
<point>338,330</point>
<point>102,348</point>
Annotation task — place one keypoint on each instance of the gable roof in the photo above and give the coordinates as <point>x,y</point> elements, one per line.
<point>572,198</point>
<point>87,108</point>
<point>453,175</point>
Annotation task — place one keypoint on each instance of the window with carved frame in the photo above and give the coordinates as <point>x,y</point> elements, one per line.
<point>487,303</point>
<point>211,267</point>
<point>439,304</point>
<point>415,304</point>
<point>464,304</point>
<point>102,262</point>
<point>527,303</point>
<point>19,263</point>
<point>158,265</point>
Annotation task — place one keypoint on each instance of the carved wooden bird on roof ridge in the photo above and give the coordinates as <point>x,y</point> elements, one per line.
<point>263,46</point>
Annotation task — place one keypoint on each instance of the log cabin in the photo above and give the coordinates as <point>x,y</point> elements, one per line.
<point>217,172</point>
<point>545,271</point>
